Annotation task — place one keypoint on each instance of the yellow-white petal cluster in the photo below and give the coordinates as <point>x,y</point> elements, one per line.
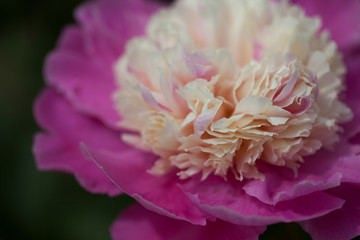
<point>218,86</point>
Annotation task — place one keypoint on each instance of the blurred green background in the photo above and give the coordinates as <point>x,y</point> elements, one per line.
<point>38,205</point>
<point>47,205</point>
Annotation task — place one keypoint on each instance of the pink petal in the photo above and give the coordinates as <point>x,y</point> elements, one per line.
<point>148,97</point>
<point>81,66</point>
<point>321,171</point>
<point>108,25</point>
<point>226,200</point>
<point>198,63</point>
<point>352,59</point>
<point>203,121</point>
<point>285,92</point>
<point>300,107</point>
<point>137,223</point>
<point>88,86</point>
<point>72,39</point>
<point>58,148</point>
<point>171,197</point>
<point>342,18</point>
<point>128,170</point>
<point>342,224</point>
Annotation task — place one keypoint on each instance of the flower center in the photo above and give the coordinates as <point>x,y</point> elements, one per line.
<point>208,99</point>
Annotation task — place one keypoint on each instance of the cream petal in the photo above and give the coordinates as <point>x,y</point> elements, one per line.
<point>209,99</point>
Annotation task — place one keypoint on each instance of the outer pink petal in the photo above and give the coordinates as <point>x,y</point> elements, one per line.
<point>321,171</point>
<point>59,147</point>
<point>342,18</point>
<point>108,25</point>
<point>228,201</point>
<point>342,224</point>
<point>128,170</point>
<point>137,223</point>
<point>82,65</point>
<point>352,58</point>
<point>169,196</point>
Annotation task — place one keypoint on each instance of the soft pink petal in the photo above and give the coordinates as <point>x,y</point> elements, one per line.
<point>59,147</point>
<point>72,39</point>
<point>342,18</point>
<point>342,224</point>
<point>161,194</point>
<point>324,170</point>
<point>352,60</point>
<point>228,201</point>
<point>82,64</point>
<point>285,92</point>
<point>137,223</point>
<point>84,83</point>
<point>108,25</point>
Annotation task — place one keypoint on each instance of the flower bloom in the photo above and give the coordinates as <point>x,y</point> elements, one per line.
<point>226,115</point>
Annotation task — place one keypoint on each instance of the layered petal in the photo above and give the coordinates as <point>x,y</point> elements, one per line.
<point>352,58</point>
<point>81,66</point>
<point>157,227</point>
<point>228,201</point>
<point>194,200</point>
<point>58,148</point>
<point>204,107</point>
<point>342,20</point>
<point>128,170</point>
<point>198,100</point>
<point>325,170</point>
<point>342,224</point>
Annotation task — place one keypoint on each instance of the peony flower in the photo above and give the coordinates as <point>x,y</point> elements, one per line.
<point>220,117</point>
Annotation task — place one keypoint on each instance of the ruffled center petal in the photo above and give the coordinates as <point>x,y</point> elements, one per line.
<point>213,100</point>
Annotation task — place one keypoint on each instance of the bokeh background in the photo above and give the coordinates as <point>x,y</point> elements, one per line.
<point>48,205</point>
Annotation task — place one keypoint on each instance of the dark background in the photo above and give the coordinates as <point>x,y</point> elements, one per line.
<point>47,205</point>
